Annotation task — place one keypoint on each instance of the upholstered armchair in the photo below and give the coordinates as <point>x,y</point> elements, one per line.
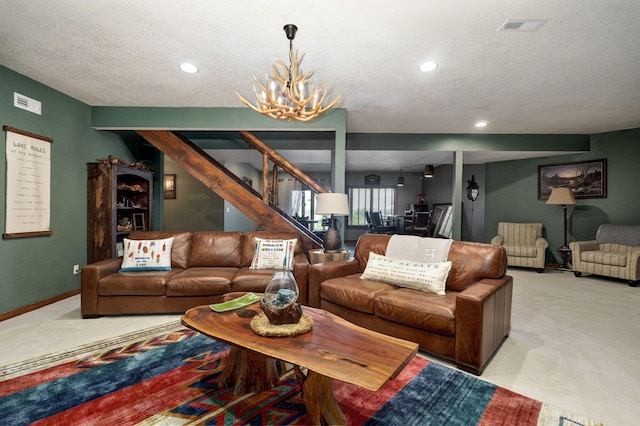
<point>614,253</point>
<point>524,244</point>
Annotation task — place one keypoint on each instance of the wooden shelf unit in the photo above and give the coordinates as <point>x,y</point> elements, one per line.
<point>116,192</point>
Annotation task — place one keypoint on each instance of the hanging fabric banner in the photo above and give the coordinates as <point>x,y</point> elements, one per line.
<point>28,184</point>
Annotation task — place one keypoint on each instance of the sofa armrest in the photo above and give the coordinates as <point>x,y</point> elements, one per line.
<point>541,244</point>
<point>497,240</point>
<point>90,275</point>
<point>483,321</point>
<point>577,247</point>
<point>633,263</point>
<point>301,274</point>
<point>324,271</point>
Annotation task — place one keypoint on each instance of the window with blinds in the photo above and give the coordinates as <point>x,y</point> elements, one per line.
<point>370,199</point>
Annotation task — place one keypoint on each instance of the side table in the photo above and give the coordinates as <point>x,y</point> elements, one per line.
<point>565,253</point>
<point>319,256</point>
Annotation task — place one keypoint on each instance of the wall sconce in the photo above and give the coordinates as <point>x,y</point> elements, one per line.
<point>473,189</point>
<point>428,171</point>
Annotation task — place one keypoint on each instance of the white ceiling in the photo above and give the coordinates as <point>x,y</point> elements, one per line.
<point>578,74</point>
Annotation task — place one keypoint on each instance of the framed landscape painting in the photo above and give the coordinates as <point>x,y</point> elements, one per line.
<point>587,179</point>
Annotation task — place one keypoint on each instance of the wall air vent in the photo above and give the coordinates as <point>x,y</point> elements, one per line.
<point>522,25</point>
<point>25,102</point>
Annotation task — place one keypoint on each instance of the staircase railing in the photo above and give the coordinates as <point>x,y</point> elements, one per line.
<point>257,207</point>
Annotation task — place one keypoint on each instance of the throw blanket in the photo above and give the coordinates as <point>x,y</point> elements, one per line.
<point>418,249</point>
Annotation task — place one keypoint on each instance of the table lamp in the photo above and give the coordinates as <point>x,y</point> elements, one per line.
<point>333,204</point>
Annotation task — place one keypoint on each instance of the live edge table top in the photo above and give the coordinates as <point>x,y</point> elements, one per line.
<point>334,347</point>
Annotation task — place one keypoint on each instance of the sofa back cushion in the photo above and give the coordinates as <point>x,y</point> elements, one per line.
<point>249,242</point>
<point>473,262</point>
<point>627,235</point>
<point>376,243</point>
<point>520,233</point>
<point>216,248</point>
<point>180,249</point>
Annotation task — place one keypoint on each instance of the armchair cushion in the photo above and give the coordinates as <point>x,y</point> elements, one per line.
<point>605,257</point>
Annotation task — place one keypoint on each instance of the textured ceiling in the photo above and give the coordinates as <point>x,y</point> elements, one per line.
<point>579,73</point>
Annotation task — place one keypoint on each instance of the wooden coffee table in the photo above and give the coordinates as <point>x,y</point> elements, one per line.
<point>334,348</point>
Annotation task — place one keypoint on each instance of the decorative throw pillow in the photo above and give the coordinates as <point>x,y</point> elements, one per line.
<point>147,255</point>
<point>274,254</point>
<point>430,277</point>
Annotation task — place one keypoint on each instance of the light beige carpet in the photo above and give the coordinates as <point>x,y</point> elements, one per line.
<point>575,342</point>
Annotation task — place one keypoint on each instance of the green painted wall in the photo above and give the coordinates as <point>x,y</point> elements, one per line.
<point>195,208</point>
<point>37,268</point>
<point>512,192</point>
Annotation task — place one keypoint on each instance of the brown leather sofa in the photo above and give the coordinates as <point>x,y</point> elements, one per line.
<point>466,325</point>
<point>204,266</point>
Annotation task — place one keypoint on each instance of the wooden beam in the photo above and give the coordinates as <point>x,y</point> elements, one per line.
<point>224,183</point>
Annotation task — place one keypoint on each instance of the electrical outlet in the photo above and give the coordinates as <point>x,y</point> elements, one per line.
<point>76,269</point>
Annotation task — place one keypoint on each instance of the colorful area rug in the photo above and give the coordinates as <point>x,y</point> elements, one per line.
<point>168,376</point>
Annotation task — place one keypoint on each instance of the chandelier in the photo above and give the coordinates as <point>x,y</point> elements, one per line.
<point>289,93</point>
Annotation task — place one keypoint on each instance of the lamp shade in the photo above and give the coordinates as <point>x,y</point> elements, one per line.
<point>428,171</point>
<point>332,203</point>
<point>563,196</point>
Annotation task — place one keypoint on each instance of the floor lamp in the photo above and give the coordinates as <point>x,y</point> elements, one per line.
<point>333,204</point>
<point>563,197</point>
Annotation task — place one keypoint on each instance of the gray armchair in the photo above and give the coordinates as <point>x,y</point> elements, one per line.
<point>614,253</point>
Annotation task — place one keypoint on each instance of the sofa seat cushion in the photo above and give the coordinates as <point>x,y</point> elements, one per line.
<point>201,281</point>
<point>150,283</point>
<point>353,292</point>
<point>415,308</point>
<point>521,251</point>
<point>604,257</point>
<point>253,279</point>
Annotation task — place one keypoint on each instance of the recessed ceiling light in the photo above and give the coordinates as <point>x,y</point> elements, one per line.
<point>481,124</point>
<point>190,68</point>
<point>428,66</point>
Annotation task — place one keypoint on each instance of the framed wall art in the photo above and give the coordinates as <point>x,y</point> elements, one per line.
<point>587,179</point>
<point>138,222</point>
<point>372,180</point>
<point>170,187</point>
<point>28,184</point>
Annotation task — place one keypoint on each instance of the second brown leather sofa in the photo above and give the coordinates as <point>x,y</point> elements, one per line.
<point>466,325</point>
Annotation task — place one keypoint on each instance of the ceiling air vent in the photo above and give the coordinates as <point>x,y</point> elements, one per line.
<point>25,102</point>
<point>522,25</point>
